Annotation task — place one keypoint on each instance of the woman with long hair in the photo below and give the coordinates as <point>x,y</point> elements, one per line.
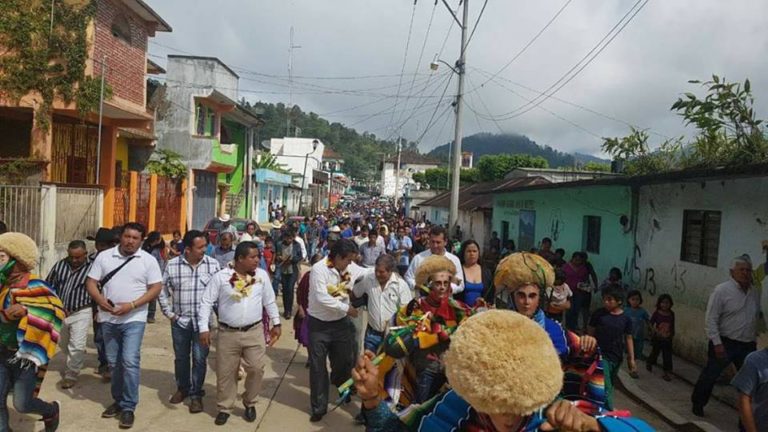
<point>478,281</point>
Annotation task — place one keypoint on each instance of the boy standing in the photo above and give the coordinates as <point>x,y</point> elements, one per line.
<point>613,331</point>
<point>752,384</point>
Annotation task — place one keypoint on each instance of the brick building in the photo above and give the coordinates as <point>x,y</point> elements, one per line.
<point>67,152</point>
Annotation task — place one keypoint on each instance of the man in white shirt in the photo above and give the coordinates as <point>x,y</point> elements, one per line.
<point>387,292</point>
<point>130,278</point>
<point>301,243</point>
<point>362,236</point>
<point>331,331</point>
<point>731,325</point>
<point>438,238</point>
<point>241,293</point>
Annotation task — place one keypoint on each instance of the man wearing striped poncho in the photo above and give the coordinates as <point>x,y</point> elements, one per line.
<point>30,320</point>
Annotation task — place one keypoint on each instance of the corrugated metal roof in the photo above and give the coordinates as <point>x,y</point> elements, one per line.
<point>475,196</point>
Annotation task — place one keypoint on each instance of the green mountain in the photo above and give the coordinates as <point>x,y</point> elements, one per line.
<point>361,151</point>
<point>491,144</point>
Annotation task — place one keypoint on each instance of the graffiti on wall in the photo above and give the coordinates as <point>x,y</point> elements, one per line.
<point>556,225</point>
<point>644,280</point>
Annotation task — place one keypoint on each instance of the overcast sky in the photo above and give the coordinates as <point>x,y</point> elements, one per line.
<point>357,47</point>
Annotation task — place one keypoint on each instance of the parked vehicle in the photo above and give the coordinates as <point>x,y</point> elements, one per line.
<point>214,225</point>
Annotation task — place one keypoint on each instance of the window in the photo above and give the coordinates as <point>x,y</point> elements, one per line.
<point>591,236</point>
<point>121,29</point>
<point>701,237</point>
<point>205,121</point>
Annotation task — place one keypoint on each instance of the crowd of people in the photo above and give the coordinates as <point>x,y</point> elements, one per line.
<point>397,305</point>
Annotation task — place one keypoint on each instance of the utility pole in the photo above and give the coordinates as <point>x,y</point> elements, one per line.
<point>289,108</point>
<point>397,172</point>
<point>453,218</point>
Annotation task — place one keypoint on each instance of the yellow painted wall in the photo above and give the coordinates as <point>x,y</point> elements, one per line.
<point>122,153</point>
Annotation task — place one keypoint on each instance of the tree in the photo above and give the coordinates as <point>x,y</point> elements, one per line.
<point>440,178</point>
<point>495,167</point>
<point>167,163</point>
<point>266,160</point>
<point>634,153</point>
<point>596,167</point>
<point>729,132</point>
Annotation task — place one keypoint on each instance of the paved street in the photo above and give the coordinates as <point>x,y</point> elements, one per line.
<point>283,407</point>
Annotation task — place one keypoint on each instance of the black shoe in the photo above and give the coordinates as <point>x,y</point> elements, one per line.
<point>287,316</point>
<point>360,418</point>
<point>221,418</point>
<point>250,414</point>
<point>52,423</point>
<point>111,411</point>
<point>126,419</point>
<point>316,418</point>
<point>698,410</point>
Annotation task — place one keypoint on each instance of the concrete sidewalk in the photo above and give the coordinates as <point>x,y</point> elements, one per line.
<point>672,400</point>
<point>284,405</point>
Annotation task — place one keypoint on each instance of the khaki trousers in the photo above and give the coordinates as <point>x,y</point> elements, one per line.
<point>231,347</point>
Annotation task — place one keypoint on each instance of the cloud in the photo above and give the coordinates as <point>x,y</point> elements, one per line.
<point>635,79</point>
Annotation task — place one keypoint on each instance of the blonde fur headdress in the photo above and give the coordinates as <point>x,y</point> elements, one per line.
<point>503,363</point>
<point>521,269</point>
<point>431,265</point>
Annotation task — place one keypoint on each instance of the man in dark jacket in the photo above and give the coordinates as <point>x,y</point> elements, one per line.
<point>287,264</point>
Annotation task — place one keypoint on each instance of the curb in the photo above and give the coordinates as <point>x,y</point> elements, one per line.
<point>674,419</point>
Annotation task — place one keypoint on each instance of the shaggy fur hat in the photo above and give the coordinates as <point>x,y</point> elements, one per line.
<point>21,248</point>
<point>431,265</point>
<point>503,363</point>
<point>523,268</point>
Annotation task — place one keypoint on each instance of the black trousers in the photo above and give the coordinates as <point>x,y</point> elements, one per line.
<point>334,340</point>
<point>735,352</point>
<point>663,346</point>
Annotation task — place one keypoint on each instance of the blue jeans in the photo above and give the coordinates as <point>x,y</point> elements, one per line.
<point>23,381</point>
<point>123,342</point>
<point>428,383</point>
<point>98,340</point>
<point>373,340</point>
<point>186,341</point>
<point>276,283</point>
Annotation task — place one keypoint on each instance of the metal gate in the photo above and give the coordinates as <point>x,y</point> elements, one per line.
<point>204,205</point>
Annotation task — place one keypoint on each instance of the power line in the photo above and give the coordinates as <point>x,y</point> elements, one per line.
<point>567,102</point>
<point>530,42</point>
<point>580,65</point>
<point>248,71</point>
<point>495,122</point>
<point>477,21</point>
<point>421,56</point>
<point>405,59</point>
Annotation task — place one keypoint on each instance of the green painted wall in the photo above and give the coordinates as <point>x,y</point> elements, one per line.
<point>235,178</point>
<point>560,215</point>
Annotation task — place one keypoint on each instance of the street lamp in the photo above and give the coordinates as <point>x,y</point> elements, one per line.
<point>304,178</point>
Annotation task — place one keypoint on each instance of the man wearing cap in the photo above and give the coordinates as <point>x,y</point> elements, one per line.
<point>104,239</point>
<point>67,277</point>
<point>731,325</point>
<point>226,226</point>
<point>130,278</point>
<point>31,316</point>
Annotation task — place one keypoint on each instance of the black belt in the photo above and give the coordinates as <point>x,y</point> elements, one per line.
<point>374,331</point>
<point>241,329</point>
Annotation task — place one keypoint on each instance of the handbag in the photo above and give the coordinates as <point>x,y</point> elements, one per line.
<point>108,277</point>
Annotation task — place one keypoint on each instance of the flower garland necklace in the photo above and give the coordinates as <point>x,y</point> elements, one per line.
<point>242,286</point>
<point>341,289</point>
